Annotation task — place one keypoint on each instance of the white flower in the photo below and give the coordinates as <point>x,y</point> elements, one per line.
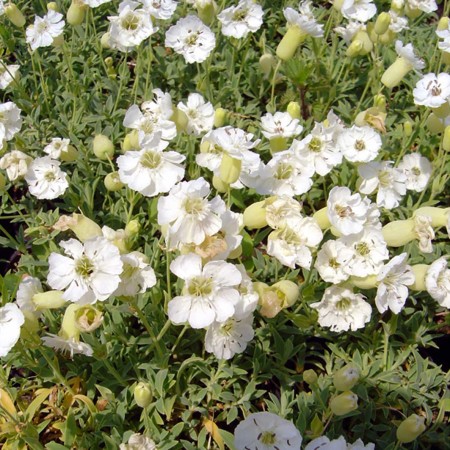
<point>427,6</point>
<point>7,74</point>
<point>45,29</point>
<point>304,19</point>
<point>237,21</point>
<point>432,91</point>
<point>266,431</point>
<point>280,124</point>
<point>11,319</point>
<point>324,443</point>
<point>160,9</point>
<point>69,345</point>
<point>280,209</point>
<point>190,216</point>
<point>350,30</point>
<point>437,282</point>
<point>444,45</point>
<point>191,38</point>
<point>200,114</point>
<point>131,27</point>
<point>209,293</point>
<point>28,287</point>
<point>94,3</point>
<point>425,232</point>
<point>341,309</point>
<point>285,174</point>
<point>91,272</point>
<point>359,144</point>
<point>151,171</point>
<point>56,147</point>
<point>389,183</point>
<point>138,442</point>
<point>291,243</point>
<point>417,169</point>
<point>10,121</point>
<point>332,259</point>
<point>137,275</point>
<point>369,252</point>
<point>15,163</point>
<point>230,337</point>
<point>393,279</point>
<point>407,53</point>
<point>45,179</point>
<point>360,10</point>
<point>398,23</point>
<point>248,300</point>
<point>347,212</point>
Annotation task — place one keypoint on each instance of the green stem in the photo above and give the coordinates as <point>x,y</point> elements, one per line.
<point>55,367</point>
<point>272,91</point>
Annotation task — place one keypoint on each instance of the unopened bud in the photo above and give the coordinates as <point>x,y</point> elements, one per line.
<point>255,216</point>
<point>368,282</point>
<point>132,228</point>
<point>84,228</point>
<point>411,428</point>
<point>397,5</point>
<point>379,101</point>
<point>434,124</point>
<point>105,40</point>
<point>367,44</point>
<point>48,300</point>
<point>443,23</point>
<point>220,117</point>
<point>112,182</point>
<point>278,144</point>
<point>131,141</point>
<point>346,377</point>
<point>230,169</point>
<point>270,302</point>
<point>52,6</point>
<point>291,41</point>
<point>420,274</point>
<point>344,403</point>
<point>142,394</point>
<point>15,15</point>
<point>446,139</point>
<point>337,4</point>
<point>439,216</point>
<point>287,292</point>
<point>294,110</point>
<point>322,219</point>
<point>395,73</point>
<point>310,376</point>
<point>69,328</point>
<point>180,118</point>
<point>407,128</point>
<point>76,12</point>
<point>103,147</point>
<point>220,185</point>
<point>207,13</point>
<point>382,23</point>
<point>442,111</point>
<point>69,154</point>
<point>354,49</point>
<point>88,318</point>
<point>399,232</point>
<point>266,63</point>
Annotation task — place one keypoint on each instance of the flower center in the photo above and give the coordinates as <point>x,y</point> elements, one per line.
<point>343,304</point>
<point>200,286</point>
<point>147,125</point>
<point>384,178</point>
<point>333,263</point>
<point>240,15</point>
<point>283,172</point>
<point>191,39</point>
<point>343,211</point>
<point>362,248</point>
<point>267,437</point>
<point>50,176</point>
<point>150,160</point>
<point>42,27</point>
<point>193,206</point>
<point>227,327</point>
<point>84,267</point>
<point>416,171</point>
<point>315,145</point>
<point>130,22</point>
<point>360,145</point>
<point>436,90</point>
<point>129,271</point>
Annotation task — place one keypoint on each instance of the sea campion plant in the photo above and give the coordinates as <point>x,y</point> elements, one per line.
<point>224,225</point>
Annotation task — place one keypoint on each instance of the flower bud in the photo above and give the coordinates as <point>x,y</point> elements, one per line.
<point>379,101</point>
<point>407,128</point>
<point>180,118</point>
<point>278,144</point>
<point>15,15</point>
<point>310,376</point>
<point>446,139</point>
<point>397,5</point>
<point>84,228</point>
<point>266,63</point>
<point>255,216</point>
<point>236,253</point>
<point>439,216</point>
<point>344,403</point>
<point>322,219</point>
<point>346,377</point>
<point>105,40</point>
<point>103,147</point>
<point>372,117</point>
<point>88,318</point>
<point>142,394</point>
<point>411,428</point>
<point>399,232</point>
<point>76,12</point>
<point>287,292</point>
<point>434,124</point>
<point>382,23</point>
<point>387,38</point>
<point>230,169</point>
<point>337,4</point>
<point>270,302</point>
<point>291,41</point>
<point>395,73</point>
<point>69,154</point>
<point>207,13</point>
<point>132,228</point>
<point>220,117</point>
<point>112,182</point>
<point>420,273</point>
<point>131,141</point>
<point>294,110</point>
<point>368,282</point>
<point>443,23</point>
<point>48,300</point>
<point>58,41</point>
<point>354,49</point>
<point>220,185</point>
<point>52,6</point>
<point>69,328</point>
<point>442,111</point>
<point>367,44</point>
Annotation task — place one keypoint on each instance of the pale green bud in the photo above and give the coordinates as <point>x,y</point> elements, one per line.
<point>103,147</point>
<point>291,41</point>
<point>131,141</point>
<point>387,37</point>
<point>207,13</point>
<point>434,124</point>
<point>354,49</point>
<point>397,5</point>
<point>399,232</point>
<point>439,216</point>
<point>220,117</point>
<point>69,328</point>
<point>310,376</point>
<point>230,169</point>
<point>52,6</point>
<point>48,300</point>
<point>294,110</point>
<point>337,4</point>
<point>109,62</point>
<point>270,301</point>
<point>322,219</point>
<point>346,377</point>
<point>14,14</point>
<point>88,318</point>
<point>344,403</point>
<point>278,144</point>
<point>443,23</point>
<point>368,282</point>
<point>112,182</point>
<point>180,118</point>
<point>76,12</point>
<point>446,139</point>
<point>411,428</point>
<point>382,23</point>
<point>407,128</point>
<point>142,394</point>
<point>69,154</point>
<point>442,111</point>
<point>420,273</point>
<point>379,101</point>
<point>105,39</point>
<point>132,228</point>
<point>220,185</point>
<point>287,292</point>
<point>266,63</point>
<point>396,72</point>
<point>84,228</point>
<point>58,41</point>
<point>255,216</point>
<point>367,44</point>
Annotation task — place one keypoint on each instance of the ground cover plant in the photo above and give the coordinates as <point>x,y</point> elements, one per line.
<point>224,225</point>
